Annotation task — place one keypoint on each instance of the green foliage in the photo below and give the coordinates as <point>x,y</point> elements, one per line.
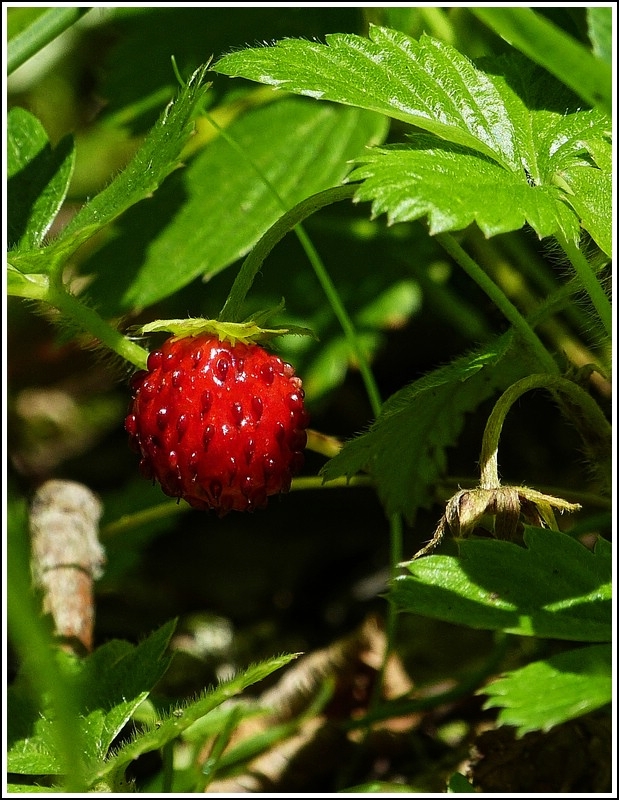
<point>38,179</point>
<point>554,588</point>
<point>460,127</point>
<point>224,200</point>
<point>505,155</point>
<point>548,692</point>
<point>428,415</point>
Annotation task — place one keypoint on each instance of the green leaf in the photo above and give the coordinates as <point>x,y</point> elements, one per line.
<point>554,588</point>
<point>410,183</point>
<point>158,155</point>
<point>427,83</point>
<point>117,677</point>
<point>557,689</point>
<point>458,784</point>
<point>108,685</point>
<point>601,32</point>
<point>404,449</point>
<point>555,50</point>
<point>592,199</point>
<point>38,179</point>
<point>172,726</point>
<point>208,217</point>
<point>510,128</point>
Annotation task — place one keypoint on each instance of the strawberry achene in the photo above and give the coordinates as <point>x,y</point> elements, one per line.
<point>220,425</point>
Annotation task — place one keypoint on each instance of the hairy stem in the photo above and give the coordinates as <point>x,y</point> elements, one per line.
<point>575,397</point>
<point>589,280</point>
<point>507,308</point>
<point>88,320</point>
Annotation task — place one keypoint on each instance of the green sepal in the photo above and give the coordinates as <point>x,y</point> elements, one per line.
<point>248,331</point>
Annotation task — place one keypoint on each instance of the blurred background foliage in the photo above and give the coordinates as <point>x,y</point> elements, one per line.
<point>314,565</point>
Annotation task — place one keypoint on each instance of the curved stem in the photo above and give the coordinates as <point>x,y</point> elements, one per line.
<point>576,396</point>
<point>507,308</point>
<point>249,268</point>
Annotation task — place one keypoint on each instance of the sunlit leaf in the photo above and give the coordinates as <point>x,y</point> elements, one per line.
<point>553,588</point>
<point>546,693</point>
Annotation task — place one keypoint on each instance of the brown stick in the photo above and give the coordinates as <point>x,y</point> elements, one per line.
<point>66,558</point>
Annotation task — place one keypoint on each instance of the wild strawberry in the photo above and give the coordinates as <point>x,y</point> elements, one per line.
<point>220,425</point>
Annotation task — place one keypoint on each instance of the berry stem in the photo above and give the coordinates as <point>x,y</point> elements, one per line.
<point>90,321</point>
<point>51,290</point>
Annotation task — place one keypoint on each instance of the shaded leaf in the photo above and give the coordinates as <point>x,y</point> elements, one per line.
<point>38,179</point>
<point>553,588</point>
<point>404,449</point>
<point>600,22</point>
<point>157,157</point>
<point>213,213</point>
<point>566,58</point>
<point>546,693</point>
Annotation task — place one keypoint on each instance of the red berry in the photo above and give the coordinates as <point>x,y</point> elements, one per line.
<point>220,425</point>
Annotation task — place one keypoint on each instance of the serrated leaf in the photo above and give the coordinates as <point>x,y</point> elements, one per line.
<point>157,157</point>
<point>591,196</point>
<point>404,449</point>
<point>38,179</point>
<point>427,83</point>
<point>410,183</point>
<point>108,685</point>
<point>553,588</point>
<point>212,214</point>
<point>546,693</point>
<point>117,677</point>
<point>510,127</point>
<point>172,726</point>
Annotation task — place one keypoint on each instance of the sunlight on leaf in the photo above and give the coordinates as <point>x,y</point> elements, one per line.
<point>553,588</point>
<point>546,693</point>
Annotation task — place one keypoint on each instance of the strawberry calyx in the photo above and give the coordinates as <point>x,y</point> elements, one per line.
<point>247,332</point>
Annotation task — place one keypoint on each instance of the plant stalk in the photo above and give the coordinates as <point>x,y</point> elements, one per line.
<point>507,308</point>
<point>576,398</point>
